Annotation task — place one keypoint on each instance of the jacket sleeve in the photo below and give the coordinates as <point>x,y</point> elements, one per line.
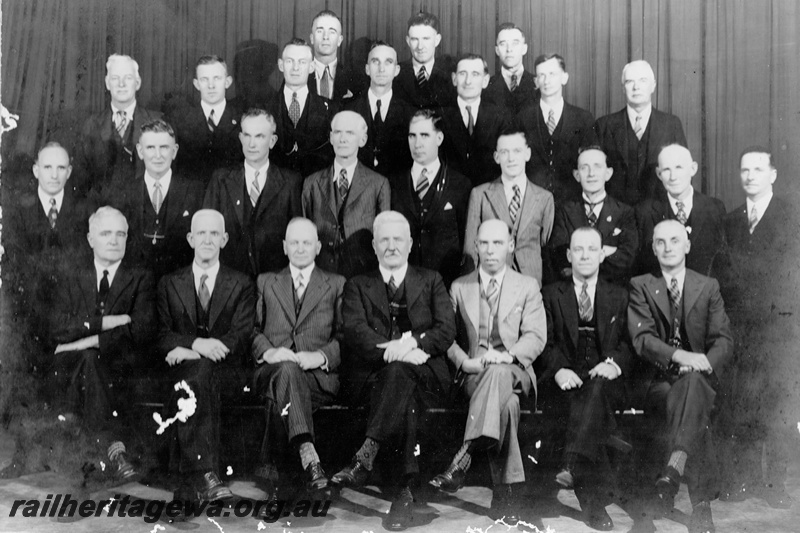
<point>642,327</point>
<point>362,338</point>
<point>719,341</point>
<point>140,330</point>
<point>435,340</point>
<point>533,327</point>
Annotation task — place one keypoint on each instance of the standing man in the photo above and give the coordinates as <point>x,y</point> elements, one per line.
<point>206,319</point>
<point>208,134</point>
<point>332,80</point>
<point>302,118</point>
<point>632,137</point>
<point>434,199</point>
<point>398,324</point>
<point>513,88</point>
<point>107,147</point>
<point>472,126</point>
<point>386,114</point>
<point>503,330</point>
<point>344,199</point>
<point>677,323</point>
<point>423,82</point>
<point>555,130</point>
<point>526,208</point>
<point>257,200</point>
<point>586,357</point>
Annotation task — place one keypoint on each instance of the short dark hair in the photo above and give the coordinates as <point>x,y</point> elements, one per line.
<point>513,129</point>
<point>259,112</point>
<point>547,57</point>
<point>428,114</point>
<point>757,149</point>
<point>510,26</point>
<point>378,42</point>
<point>325,13</point>
<point>210,60</point>
<point>297,41</point>
<point>423,18</point>
<point>468,57</point>
<point>158,126</point>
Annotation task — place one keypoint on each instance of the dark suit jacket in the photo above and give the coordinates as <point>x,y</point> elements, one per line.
<point>346,85</point>
<point>439,93</point>
<point>554,158</point>
<point>200,151</point>
<point>707,326</point>
<point>617,225</point>
<point>304,148</point>
<point>367,323</point>
<point>610,311</point>
<point>255,245</point>
<point>346,239</point>
<point>473,155</point>
<point>707,233</point>
<point>231,313</point>
<point>526,92</point>
<point>437,223</point>
<point>182,200</point>
<point>318,326</point>
<point>102,157</point>
<point>390,147</point>
<point>631,181</point>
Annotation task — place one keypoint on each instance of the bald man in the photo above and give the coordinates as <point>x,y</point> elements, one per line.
<point>206,317</point>
<point>343,200</point>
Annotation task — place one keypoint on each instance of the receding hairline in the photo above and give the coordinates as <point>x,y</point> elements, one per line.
<point>488,225</point>
<point>105,211</point>
<point>670,222</point>
<point>296,221</point>
<point>353,115</point>
<point>203,213</point>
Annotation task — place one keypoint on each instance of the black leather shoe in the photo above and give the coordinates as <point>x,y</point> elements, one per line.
<point>124,470</point>
<point>667,487</point>
<point>355,475</point>
<point>401,514</point>
<point>504,505</point>
<point>212,489</point>
<point>776,497</point>
<point>316,480</point>
<point>701,521</point>
<point>565,478</point>
<point>736,493</point>
<point>597,518</point>
<point>450,480</point>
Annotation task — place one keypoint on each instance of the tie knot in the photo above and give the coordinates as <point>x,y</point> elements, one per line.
<point>294,96</point>
<point>673,285</point>
<point>299,278</point>
<point>584,287</point>
<point>156,184</point>
<point>52,202</point>
<point>211,114</point>
<point>121,114</point>
<point>105,273</point>
<point>423,174</point>
<point>203,279</point>
<point>343,176</point>
<point>679,204</point>
<point>516,189</point>
<point>423,71</point>
<point>378,103</point>
<point>551,113</point>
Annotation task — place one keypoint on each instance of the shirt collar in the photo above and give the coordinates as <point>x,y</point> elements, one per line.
<point>428,67</point>
<point>250,173</point>
<point>398,273</point>
<point>219,109</point>
<point>165,180</point>
<point>305,271</point>
<point>211,272</point>
<point>433,169</point>
<point>688,202</point>
<point>351,170</point>
<point>486,277</point>
<point>521,181</point>
<point>596,202</point>
<point>519,71</point>
<point>462,105</point>
<point>44,198</point>
<point>302,92</point>
<point>761,205</point>
<point>112,271</point>
<point>128,111</point>
<point>645,113</point>
<point>386,99</point>
<point>319,68</point>
<point>680,276</point>
<point>557,107</point>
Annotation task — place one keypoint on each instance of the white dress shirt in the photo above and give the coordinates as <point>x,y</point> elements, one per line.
<point>428,67</point>
<point>399,274</point>
<point>462,106</point>
<point>306,272</point>
<point>591,288</point>
<point>219,109</point>
<point>598,204</point>
<point>508,186</point>
<point>250,174</point>
<point>150,182</point>
<point>211,272</point>
<point>386,99</point>
<point>302,96</point>
<point>486,278</point>
<point>519,71</point>
<point>680,276</point>
<point>645,113</point>
<point>319,71</point>
<point>761,206</point>
<point>688,202</point>
<point>350,169</point>
<point>128,112</point>
<point>557,107</point>
<point>45,198</point>
<point>433,169</point>
<point>112,271</point>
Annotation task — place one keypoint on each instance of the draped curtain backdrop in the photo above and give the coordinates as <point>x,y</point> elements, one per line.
<point>730,69</point>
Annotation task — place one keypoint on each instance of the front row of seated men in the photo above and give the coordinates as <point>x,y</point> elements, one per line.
<point>392,331</point>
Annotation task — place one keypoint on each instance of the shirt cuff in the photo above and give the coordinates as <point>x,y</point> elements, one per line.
<point>325,366</point>
<point>613,363</point>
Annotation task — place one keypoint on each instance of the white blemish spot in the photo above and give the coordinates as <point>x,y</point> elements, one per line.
<point>639,325</point>
<point>102,466</point>
<point>416,451</point>
<point>186,408</point>
<point>158,527</point>
<point>229,472</point>
<point>532,458</point>
<point>115,414</point>
<point>216,524</point>
<point>538,444</point>
<point>62,418</point>
<point>198,456</point>
<point>285,410</point>
<point>246,388</point>
<point>261,526</point>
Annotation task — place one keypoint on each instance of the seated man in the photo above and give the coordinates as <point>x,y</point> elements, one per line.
<point>398,324</point>
<point>587,352</point>
<point>677,322</point>
<point>206,316</point>
<point>298,323</point>
<point>104,318</point>
<point>502,330</point>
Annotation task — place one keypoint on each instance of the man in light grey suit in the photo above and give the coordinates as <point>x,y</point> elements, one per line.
<point>526,208</point>
<point>298,319</point>
<point>501,330</point>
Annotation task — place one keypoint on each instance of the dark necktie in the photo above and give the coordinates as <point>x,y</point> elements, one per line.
<point>491,293</point>
<point>294,110</point>
<point>516,202</point>
<point>102,293</point>
<point>52,215</point>
<point>325,83</point>
<point>682,218</point>
<point>392,288</point>
<point>422,77</point>
<point>211,125</point>
<point>377,120</point>
<point>675,302</point>
<point>513,85</point>
<point>470,120</point>
<point>344,186</point>
<point>202,294</point>
<point>121,123</point>
<point>423,184</point>
<point>585,304</point>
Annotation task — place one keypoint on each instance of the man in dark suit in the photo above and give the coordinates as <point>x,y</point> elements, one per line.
<point>555,130</point>
<point>471,127</point>
<point>208,134</point>
<point>434,199</point>
<point>501,329</point>
<point>107,147</point>
<point>302,118</point>
<point>423,82</point>
<point>677,323</point>
<point>586,356</point>
<point>398,324</point>
<point>206,318</point>
<point>386,114</point>
<point>615,221</point>
<point>343,200</point>
<point>702,215</point>
<point>257,199</point>
<point>632,137</point>
<point>103,322</point>
<point>332,79</point>
<point>298,329</point>
<point>513,88</point>
<point>158,204</point>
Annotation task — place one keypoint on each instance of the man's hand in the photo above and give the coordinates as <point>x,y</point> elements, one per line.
<point>279,355</point>
<point>92,341</point>
<point>493,357</point>
<point>179,354</point>
<point>115,321</point>
<point>609,250</point>
<point>695,362</point>
<point>604,370</point>
<point>566,379</point>
<point>396,349</point>
<point>211,349</point>
<point>415,357</point>
<point>473,366</point>
<point>310,360</point>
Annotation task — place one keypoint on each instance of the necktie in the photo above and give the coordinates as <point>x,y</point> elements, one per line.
<point>299,290</point>
<point>422,77</point>
<point>585,304</point>
<point>753,220</point>
<point>682,218</point>
<point>294,110</point>
<point>551,122</point>
<point>513,83</point>
<point>102,293</point>
<point>637,127</point>
<point>491,292</point>
<point>343,185</point>
<point>516,202</point>
<point>325,83</point>
<point>377,120</point>
<point>203,293</point>
<point>211,125</point>
<point>590,214</point>
<point>122,123</point>
<point>158,196</point>
<point>675,301</point>
<point>392,288</point>
<point>52,215</point>
<point>470,120</point>
<point>422,184</point>
<point>254,191</point>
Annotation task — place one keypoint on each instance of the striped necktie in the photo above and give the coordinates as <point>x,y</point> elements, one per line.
<point>121,123</point>
<point>681,214</point>
<point>294,110</point>
<point>753,220</point>
<point>211,124</point>
<point>585,304</point>
<point>423,184</point>
<point>675,301</point>
<point>344,186</point>
<point>52,215</point>
<point>422,77</point>
<point>299,291</point>
<point>516,202</point>
<point>551,122</point>
<point>254,191</point>
<point>637,127</point>
<point>203,294</point>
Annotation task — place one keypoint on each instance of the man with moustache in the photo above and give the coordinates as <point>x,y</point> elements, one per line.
<point>257,200</point>
<point>514,87</point>
<point>332,79</point>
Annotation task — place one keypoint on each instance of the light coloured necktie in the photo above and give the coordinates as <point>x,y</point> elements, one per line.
<point>122,123</point>
<point>254,191</point>
<point>753,220</point>
<point>325,83</point>
<point>586,311</point>
<point>299,290</point>
<point>637,127</point>
<point>423,184</point>
<point>211,124</point>
<point>294,110</point>
<point>158,196</point>
<point>551,122</point>
<point>203,295</point>
<point>681,214</point>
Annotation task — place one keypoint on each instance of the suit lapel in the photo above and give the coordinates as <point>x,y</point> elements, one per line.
<point>88,283</point>
<point>122,279</point>
<point>528,208</point>
<point>508,297</point>
<point>284,293</point>
<point>176,194</point>
<point>496,196</point>
<point>658,289</point>
<point>692,285</point>
<point>472,297</point>
<point>569,310</point>
<point>620,133</point>
<point>272,188</point>
<point>227,121</point>
<point>184,286</point>
<point>223,288</point>
<point>317,287</point>
<point>358,186</point>
<point>602,306</point>
<point>326,192</point>
<point>413,283</point>
<point>234,185</point>
<point>377,293</point>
